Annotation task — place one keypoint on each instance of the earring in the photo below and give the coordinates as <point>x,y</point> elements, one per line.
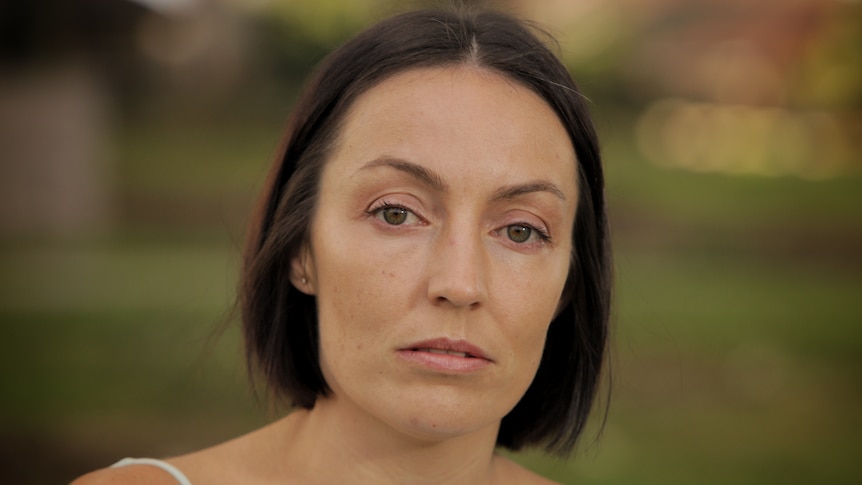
<point>304,280</point>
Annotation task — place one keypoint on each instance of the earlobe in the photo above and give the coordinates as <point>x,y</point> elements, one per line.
<point>301,269</point>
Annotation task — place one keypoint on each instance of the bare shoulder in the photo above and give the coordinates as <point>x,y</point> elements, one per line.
<point>127,475</point>
<point>228,462</point>
<point>509,472</point>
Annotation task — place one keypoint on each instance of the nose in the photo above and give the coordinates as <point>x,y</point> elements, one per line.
<point>458,270</point>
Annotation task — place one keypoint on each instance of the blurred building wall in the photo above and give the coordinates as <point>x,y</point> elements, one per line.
<point>55,177</point>
<point>68,70</point>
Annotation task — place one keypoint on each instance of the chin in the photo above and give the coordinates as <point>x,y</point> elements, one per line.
<point>438,427</point>
<point>443,414</point>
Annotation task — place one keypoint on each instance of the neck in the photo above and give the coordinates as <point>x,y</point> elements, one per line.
<point>338,445</point>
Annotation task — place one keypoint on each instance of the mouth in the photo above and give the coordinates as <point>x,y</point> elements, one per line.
<point>446,352</point>
<point>446,346</point>
<point>446,355</point>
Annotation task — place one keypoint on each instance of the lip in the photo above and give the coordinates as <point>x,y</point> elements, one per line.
<point>446,355</point>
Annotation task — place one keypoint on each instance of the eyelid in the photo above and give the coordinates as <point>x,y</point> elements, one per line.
<point>541,234</point>
<point>542,231</point>
<point>527,218</point>
<point>384,203</point>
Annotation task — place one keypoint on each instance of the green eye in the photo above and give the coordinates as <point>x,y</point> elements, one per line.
<point>394,215</point>
<point>519,233</point>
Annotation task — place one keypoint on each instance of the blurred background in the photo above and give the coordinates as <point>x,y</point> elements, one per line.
<point>135,135</point>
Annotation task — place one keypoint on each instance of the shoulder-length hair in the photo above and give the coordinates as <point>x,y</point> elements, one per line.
<point>280,323</point>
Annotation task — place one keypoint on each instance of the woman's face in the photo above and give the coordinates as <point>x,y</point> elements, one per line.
<point>439,249</point>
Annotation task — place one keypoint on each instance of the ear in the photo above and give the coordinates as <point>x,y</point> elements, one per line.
<point>302,270</point>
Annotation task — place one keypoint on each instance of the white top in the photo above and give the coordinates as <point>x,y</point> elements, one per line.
<point>174,471</point>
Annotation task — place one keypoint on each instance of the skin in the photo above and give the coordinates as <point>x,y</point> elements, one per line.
<point>429,225</point>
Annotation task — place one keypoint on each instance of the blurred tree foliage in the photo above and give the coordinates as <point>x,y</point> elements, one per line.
<point>294,36</point>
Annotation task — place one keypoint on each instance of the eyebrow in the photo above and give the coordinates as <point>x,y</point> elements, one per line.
<point>513,191</point>
<point>420,173</point>
<point>435,181</point>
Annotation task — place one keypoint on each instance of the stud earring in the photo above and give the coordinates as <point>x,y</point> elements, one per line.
<point>304,280</point>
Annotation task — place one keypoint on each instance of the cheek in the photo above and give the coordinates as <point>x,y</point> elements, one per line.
<point>360,290</point>
<point>530,308</point>
<point>529,340</point>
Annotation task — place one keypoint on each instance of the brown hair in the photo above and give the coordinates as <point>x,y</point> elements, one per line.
<point>280,322</point>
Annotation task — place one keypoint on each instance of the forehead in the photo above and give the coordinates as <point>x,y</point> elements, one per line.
<point>459,118</point>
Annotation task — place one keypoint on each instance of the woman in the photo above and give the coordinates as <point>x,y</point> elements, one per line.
<point>429,276</point>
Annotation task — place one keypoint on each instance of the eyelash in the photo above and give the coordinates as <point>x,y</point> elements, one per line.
<point>543,235</point>
<point>376,209</point>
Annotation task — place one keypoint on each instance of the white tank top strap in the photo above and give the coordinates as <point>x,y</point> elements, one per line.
<point>174,471</point>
